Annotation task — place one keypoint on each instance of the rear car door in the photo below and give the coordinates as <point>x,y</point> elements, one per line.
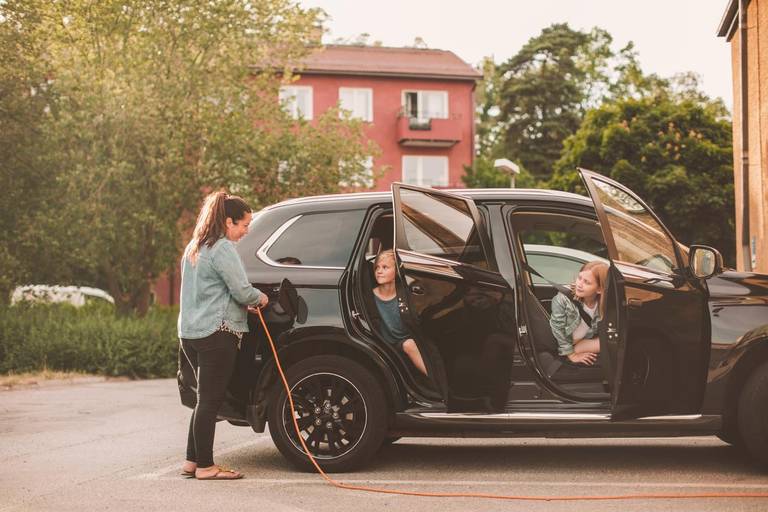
<point>453,298</point>
<point>655,336</point>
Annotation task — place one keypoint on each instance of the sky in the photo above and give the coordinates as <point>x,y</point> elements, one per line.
<point>670,36</point>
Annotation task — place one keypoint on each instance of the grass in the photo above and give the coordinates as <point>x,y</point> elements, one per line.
<point>26,379</point>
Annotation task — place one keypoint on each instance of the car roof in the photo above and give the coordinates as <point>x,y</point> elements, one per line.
<point>479,194</point>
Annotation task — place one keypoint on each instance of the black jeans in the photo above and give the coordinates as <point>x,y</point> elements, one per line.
<point>213,359</point>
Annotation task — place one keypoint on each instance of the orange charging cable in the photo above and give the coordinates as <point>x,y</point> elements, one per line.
<point>342,485</point>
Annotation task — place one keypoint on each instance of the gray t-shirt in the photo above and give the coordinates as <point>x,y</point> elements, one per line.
<point>392,328</point>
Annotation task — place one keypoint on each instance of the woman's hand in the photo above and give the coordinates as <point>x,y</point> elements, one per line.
<point>263,301</point>
<point>587,358</point>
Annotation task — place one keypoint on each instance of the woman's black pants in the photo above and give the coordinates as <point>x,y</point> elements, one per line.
<point>213,359</point>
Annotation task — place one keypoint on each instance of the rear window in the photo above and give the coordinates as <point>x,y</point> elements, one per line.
<point>318,239</point>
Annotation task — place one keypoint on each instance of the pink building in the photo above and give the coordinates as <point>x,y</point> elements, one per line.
<point>419,104</point>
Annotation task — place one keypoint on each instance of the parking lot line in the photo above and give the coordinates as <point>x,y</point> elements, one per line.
<point>314,480</point>
<point>176,466</point>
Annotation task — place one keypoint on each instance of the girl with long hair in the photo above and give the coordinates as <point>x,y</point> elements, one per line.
<point>385,296</point>
<point>577,340</point>
<point>215,296</point>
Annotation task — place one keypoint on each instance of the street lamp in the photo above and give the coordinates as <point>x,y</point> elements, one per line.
<point>508,167</point>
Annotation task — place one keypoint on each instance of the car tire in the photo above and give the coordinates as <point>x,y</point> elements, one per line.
<point>753,415</point>
<point>341,410</point>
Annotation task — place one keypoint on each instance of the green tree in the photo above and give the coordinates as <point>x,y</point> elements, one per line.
<point>674,149</point>
<point>528,105</point>
<point>158,102</point>
<point>27,176</point>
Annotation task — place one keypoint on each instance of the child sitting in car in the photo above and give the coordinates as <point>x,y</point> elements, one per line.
<point>385,295</point>
<point>576,339</point>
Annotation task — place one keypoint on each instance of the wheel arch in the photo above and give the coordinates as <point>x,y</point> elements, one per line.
<point>326,343</point>
<point>750,354</point>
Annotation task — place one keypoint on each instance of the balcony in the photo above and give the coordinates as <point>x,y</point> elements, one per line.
<point>433,133</point>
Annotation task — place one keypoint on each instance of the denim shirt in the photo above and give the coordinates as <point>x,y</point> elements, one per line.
<point>214,291</point>
<point>565,318</point>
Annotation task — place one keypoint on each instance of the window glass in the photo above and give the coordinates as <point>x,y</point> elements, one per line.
<point>358,102</point>
<point>639,238</point>
<point>441,226</point>
<point>426,104</point>
<point>297,100</point>
<point>319,240</point>
<point>425,171</point>
<point>558,269</point>
<point>557,246</point>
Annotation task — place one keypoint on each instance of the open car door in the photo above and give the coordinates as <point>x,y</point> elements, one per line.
<point>655,334</point>
<point>453,299</point>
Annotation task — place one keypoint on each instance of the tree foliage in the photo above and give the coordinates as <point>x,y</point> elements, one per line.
<point>673,149</point>
<point>529,104</point>
<point>26,174</point>
<point>156,102</point>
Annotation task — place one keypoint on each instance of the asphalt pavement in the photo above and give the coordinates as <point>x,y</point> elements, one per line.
<point>119,446</point>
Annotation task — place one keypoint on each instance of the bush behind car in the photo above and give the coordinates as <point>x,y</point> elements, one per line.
<point>90,339</point>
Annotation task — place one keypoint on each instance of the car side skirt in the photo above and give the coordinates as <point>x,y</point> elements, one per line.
<point>425,423</point>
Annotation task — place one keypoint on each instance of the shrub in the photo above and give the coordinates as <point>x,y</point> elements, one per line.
<point>91,339</point>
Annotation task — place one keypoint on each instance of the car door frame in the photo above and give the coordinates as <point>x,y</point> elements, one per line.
<point>412,262</point>
<point>619,347</point>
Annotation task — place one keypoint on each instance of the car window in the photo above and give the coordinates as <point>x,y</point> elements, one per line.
<point>557,245</point>
<point>317,240</point>
<point>558,269</point>
<point>441,226</point>
<point>640,239</point>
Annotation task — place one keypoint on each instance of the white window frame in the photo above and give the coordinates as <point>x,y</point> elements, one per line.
<point>287,97</point>
<point>368,116</point>
<point>420,102</point>
<point>420,170</point>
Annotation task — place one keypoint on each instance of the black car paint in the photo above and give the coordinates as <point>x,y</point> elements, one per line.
<point>328,294</point>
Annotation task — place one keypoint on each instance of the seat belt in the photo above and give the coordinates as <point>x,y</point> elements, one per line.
<point>565,291</point>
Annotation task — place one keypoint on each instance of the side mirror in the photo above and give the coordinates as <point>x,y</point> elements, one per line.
<point>704,261</point>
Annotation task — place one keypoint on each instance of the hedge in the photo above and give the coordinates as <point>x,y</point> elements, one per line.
<point>90,339</point>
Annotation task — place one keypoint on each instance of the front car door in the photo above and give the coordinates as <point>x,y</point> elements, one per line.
<point>453,298</point>
<point>655,336</point>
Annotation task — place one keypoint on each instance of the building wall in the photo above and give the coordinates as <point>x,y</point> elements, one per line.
<point>387,104</point>
<point>757,54</point>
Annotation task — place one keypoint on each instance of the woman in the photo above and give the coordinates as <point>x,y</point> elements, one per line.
<point>385,296</point>
<point>215,295</point>
<point>577,340</point>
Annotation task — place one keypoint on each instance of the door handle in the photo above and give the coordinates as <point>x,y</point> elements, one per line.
<point>417,289</point>
<point>634,303</point>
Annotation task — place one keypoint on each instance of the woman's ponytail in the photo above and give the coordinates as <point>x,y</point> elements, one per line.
<point>211,224</point>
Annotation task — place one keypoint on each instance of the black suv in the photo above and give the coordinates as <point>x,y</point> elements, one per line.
<point>684,343</point>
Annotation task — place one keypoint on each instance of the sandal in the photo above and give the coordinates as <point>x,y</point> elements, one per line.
<point>222,473</point>
<point>188,473</point>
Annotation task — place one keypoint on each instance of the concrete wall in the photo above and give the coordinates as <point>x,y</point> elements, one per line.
<point>757,50</point>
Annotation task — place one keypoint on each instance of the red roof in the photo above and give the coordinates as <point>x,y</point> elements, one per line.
<point>387,61</point>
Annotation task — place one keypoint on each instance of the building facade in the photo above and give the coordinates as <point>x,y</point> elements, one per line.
<point>418,106</point>
<point>745,26</point>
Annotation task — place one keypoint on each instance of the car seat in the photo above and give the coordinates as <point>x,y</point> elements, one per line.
<point>556,368</point>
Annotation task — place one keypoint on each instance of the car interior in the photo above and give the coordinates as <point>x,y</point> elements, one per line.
<point>379,239</point>
<point>555,245</point>
<point>550,243</point>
